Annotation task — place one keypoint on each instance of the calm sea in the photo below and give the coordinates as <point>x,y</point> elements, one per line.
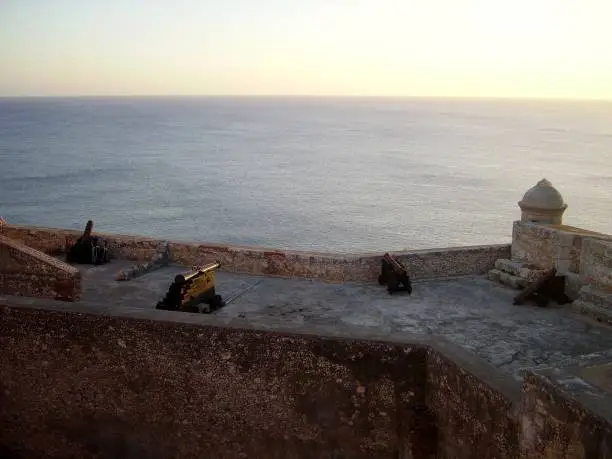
<point>310,173</point>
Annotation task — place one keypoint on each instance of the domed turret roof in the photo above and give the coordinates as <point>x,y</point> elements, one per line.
<point>543,196</point>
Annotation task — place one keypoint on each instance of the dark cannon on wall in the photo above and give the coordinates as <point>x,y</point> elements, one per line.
<point>193,292</point>
<point>394,275</point>
<point>549,286</point>
<point>88,249</point>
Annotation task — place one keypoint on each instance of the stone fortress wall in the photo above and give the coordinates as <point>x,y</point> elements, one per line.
<point>76,382</point>
<point>540,241</point>
<point>29,272</point>
<point>80,383</point>
<point>331,267</point>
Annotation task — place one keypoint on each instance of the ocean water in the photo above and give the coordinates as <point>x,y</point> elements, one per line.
<point>354,174</point>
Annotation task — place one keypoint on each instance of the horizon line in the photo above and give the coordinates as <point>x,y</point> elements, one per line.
<point>306,96</point>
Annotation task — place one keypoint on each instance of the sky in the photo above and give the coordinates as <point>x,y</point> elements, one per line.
<point>447,48</point>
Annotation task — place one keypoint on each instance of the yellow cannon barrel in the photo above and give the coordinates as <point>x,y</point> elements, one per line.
<point>198,272</point>
<point>193,288</point>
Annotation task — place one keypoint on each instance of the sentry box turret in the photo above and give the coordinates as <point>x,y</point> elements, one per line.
<point>193,291</point>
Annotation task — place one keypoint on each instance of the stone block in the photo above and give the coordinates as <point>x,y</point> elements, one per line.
<point>557,417</point>
<point>534,244</point>
<point>596,263</point>
<point>559,246</point>
<point>159,259</point>
<point>573,284</point>
<point>587,309</point>
<point>474,413</point>
<point>507,279</point>
<point>598,297</point>
<point>526,271</point>
<point>28,272</point>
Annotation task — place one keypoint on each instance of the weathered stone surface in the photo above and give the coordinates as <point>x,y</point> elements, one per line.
<point>104,387</point>
<point>449,262</point>
<point>582,256</point>
<point>555,424</point>
<point>534,244</point>
<point>334,268</point>
<point>471,312</point>
<point>28,272</point>
<point>475,413</point>
<point>593,311</point>
<point>158,384</point>
<point>507,279</point>
<point>599,297</point>
<point>525,271</point>
<point>555,246</point>
<point>573,284</point>
<point>421,264</point>
<point>161,258</point>
<point>596,263</point>
<point>55,241</point>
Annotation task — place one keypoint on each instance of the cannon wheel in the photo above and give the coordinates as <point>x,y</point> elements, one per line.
<point>392,285</point>
<point>215,303</point>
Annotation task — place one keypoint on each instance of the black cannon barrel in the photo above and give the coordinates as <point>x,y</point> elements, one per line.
<point>396,266</point>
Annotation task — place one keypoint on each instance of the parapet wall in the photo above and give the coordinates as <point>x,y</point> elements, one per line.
<point>474,407</point>
<point>422,264</point>
<point>564,415</point>
<point>583,256</point>
<point>596,263</point>
<point>155,384</point>
<point>28,272</point>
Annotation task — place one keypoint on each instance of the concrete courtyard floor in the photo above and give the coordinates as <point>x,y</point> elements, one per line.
<point>471,312</point>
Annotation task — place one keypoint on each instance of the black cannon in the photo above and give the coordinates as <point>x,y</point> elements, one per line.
<point>549,286</point>
<point>88,249</point>
<point>394,275</point>
<point>193,292</point>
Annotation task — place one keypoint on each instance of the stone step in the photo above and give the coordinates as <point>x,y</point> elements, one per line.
<point>493,275</point>
<point>593,311</point>
<point>573,284</point>
<point>508,279</point>
<point>525,271</point>
<point>598,297</point>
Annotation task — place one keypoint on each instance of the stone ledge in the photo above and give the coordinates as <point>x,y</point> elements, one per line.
<point>41,257</point>
<point>265,394</point>
<point>573,284</point>
<point>507,279</point>
<point>592,311</point>
<point>192,322</point>
<point>332,267</point>
<point>596,263</point>
<point>161,258</point>
<point>549,246</point>
<point>472,410</point>
<point>26,271</point>
<point>561,413</point>
<point>525,271</point>
<point>599,297</point>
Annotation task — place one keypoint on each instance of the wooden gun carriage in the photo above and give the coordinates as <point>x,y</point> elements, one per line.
<point>193,292</point>
<point>394,275</point>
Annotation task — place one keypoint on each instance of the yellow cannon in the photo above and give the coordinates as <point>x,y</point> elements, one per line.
<point>191,290</point>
